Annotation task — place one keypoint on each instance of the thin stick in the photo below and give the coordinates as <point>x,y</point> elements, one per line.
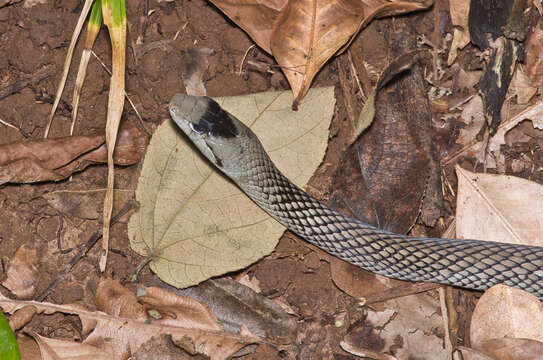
<point>399,291</point>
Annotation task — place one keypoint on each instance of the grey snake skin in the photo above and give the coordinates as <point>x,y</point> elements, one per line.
<point>473,264</point>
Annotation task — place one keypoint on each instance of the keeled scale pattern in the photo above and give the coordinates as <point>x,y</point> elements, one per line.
<point>471,264</point>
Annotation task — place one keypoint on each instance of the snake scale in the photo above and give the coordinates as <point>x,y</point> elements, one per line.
<point>236,151</point>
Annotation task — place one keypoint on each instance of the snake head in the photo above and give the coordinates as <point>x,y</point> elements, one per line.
<point>216,133</point>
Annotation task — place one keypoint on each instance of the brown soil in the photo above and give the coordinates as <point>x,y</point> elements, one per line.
<point>31,38</point>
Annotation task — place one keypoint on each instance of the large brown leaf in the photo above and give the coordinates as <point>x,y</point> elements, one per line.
<point>303,34</point>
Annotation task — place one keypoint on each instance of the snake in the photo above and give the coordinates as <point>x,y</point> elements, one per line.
<point>233,148</point>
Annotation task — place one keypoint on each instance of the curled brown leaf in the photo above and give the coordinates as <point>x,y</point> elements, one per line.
<point>57,159</point>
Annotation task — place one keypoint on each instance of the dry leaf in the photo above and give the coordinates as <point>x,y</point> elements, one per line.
<point>57,159</point>
<point>521,86</point>
<point>499,208</point>
<point>114,299</point>
<point>495,159</point>
<point>307,33</point>
<point>236,305</point>
<point>303,34</point>
<point>22,273</point>
<point>121,336</point>
<point>55,349</point>
<point>534,48</point>
<point>175,307</point>
<point>514,349</point>
<point>195,64</point>
<point>505,311</point>
<point>196,224</point>
<point>459,10</point>
<point>406,326</point>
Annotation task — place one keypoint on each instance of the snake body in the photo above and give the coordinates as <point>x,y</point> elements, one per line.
<point>473,264</point>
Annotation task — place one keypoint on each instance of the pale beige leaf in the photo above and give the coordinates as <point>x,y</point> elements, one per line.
<point>53,349</point>
<point>459,10</point>
<point>22,274</point>
<point>499,208</point>
<point>193,222</point>
<point>495,159</point>
<point>505,311</point>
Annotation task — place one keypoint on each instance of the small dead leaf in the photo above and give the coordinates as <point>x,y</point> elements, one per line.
<point>459,10</point>
<point>196,224</point>
<point>175,307</point>
<point>22,274</point>
<point>57,159</point>
<point>505,311</point>
<point>495,159</point>
<point>499,208</point>
<point>114,299</point>
<point>236,305</point>
<point>534,49</point>
<point>521,86</point>
<point>406,326</point>
<point>195,63</point>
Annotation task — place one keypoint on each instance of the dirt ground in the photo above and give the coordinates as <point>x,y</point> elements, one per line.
<point>37,36</point>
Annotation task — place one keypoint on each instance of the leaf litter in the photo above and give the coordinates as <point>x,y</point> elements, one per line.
<point>124,323</point>
<point>193,223</point>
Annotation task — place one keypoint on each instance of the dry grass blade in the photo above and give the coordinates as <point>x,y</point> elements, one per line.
<point>67,61</point>
<point>114,13</point>
<point>93,28</point>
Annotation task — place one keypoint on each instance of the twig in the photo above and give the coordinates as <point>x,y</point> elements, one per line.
<point>83,251</point>
<point>445,315</point>
<point>31,80</point>
<point>144,19</point>
<point>11,126</point>
<point>399,291</point>
<point>243,59</point>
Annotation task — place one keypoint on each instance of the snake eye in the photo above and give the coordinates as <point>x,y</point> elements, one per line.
<point>196,128</point>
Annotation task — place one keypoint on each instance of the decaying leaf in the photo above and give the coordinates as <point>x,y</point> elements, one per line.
<point>505,311</point>
<point>57,159</point>
<point>236,305</point>
<point>499,208</point>
<point>120,336</point>
<point>459,10</point>
<point>495,159</point>
<point>22,274</point>
<point>406,326</point>
<point>194,223</point>
<point>195,63</point>
<point>303,34</point>
<point>534,49</point>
